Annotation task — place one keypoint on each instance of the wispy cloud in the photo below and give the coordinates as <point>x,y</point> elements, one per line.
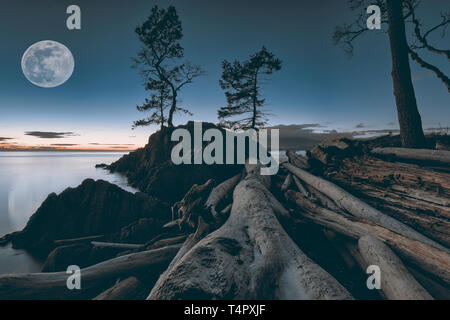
<point>50,135</point>
<point>5,138</point>
<point>119,147</point>
<point>111,144</point>
<point>64,144</point>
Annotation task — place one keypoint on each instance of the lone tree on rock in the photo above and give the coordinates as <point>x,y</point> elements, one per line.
<point>242,82</point>
<point>395,13</point>
<point>159,61</point>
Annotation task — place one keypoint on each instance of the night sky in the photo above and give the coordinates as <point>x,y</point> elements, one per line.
<point>318,83</point>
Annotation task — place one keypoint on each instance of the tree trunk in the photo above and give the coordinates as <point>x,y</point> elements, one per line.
<point>161,109</point>
<point>172,110</point>
<point>250,257</point>
<point>408,115</point>
<point>255,95</point>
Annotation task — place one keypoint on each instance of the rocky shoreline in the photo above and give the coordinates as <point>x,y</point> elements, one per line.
<point>98,223</point>
<point>99,208</point>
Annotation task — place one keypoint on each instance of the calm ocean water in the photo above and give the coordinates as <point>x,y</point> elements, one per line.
<point>26,178</point>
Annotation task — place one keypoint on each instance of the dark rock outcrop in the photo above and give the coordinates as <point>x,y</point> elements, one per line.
<point>93,208</point>
<point>151,170</point>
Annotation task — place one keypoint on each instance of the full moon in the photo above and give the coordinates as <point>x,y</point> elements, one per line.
<point>47,64</point>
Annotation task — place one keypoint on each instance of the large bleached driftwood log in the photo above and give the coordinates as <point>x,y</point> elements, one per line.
<point>250,256</point>
<point>396,281</point>
<point>439,156</point>
<point>219,192</point>
<point>359,208</point>
<point>423,255</point>
<point>53,285</point>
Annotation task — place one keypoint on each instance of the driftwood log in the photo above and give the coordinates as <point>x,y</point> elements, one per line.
<point>439,290</point>
<point>416,196</point>
<point>127,289</point>
<point>203,229</point>
<point>250,256</point>
<point>300,187</point>
<point>219,192</point>
<point>359,208</point>
<point>297,159</point>
<point>54,285</point>
<point>340,247</point>
<point>124,246</point>
<point>324,200</point>
<point>225,211</point>
<point>427,155</point>
<point>423,255</point>
<point>287,182</point>
<point>66,242</point>
<point>396,281</point>
<point>192,205</point>
<point>164,242</point>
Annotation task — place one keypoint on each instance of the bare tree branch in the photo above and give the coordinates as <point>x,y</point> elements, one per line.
<point>345,35</point>
<point>428,66</point>
<point>423,38</point>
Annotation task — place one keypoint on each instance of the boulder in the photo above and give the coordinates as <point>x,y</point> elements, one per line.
<point>93,208</point>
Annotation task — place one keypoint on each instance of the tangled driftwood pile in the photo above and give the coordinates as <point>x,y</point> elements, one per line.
<point>307,233</point>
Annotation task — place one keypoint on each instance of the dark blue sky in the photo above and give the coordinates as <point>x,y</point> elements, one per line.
<point>317,84</point>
